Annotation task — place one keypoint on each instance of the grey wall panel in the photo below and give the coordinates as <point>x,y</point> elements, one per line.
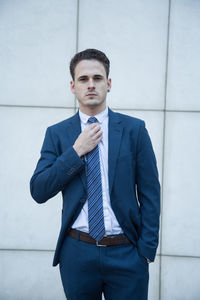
<point>180,278</point>
<point>37,38</point>
<point>181,223</point>
<point>23,223</point>
<point>29,275</point>
<point>183,91</point>
<point>133,34</point>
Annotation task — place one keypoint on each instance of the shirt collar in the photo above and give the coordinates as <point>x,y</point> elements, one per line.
<point>100,117</point>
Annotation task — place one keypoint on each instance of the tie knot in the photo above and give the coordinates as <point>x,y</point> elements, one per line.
<point>92,120</point>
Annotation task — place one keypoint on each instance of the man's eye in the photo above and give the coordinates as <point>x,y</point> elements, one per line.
<point>97,78</point>
<point>83,79</point>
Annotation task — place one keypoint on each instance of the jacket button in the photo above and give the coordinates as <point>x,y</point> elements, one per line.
<point>71,171</point>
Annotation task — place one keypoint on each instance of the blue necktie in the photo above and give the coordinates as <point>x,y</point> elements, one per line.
<point>94,186</point>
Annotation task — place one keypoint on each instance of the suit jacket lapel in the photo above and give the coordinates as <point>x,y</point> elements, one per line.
<point>74,128</point>
<point>115,129</point>
<point>73,132</point>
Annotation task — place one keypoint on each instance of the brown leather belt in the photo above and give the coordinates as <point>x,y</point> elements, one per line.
<point>105,241</point>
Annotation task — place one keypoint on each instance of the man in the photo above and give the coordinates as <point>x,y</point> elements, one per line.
<point>105,167</point>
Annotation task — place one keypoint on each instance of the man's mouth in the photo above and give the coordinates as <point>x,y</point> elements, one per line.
<point>91,94</point>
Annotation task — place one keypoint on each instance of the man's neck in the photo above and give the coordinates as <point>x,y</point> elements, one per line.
<point>92,111</point>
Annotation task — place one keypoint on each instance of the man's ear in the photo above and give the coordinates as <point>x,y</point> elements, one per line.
<point>72,86</point>
<point>109,84</point>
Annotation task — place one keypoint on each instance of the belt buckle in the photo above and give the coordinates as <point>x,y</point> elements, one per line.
<point>98,245</point>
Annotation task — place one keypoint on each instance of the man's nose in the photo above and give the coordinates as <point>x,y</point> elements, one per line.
<point>91,85</point>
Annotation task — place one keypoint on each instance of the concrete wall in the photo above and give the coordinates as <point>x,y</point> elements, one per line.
<point>154,50</point>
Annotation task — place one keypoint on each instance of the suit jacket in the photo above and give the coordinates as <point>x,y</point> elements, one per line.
<point>133,178</point>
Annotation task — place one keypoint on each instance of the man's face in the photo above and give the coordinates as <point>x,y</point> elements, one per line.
<point>90,85</point>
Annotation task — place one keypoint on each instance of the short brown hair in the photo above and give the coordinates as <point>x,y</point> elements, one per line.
<point>90,54</point>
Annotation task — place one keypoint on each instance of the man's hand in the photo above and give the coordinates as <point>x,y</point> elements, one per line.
<point>88,139</point>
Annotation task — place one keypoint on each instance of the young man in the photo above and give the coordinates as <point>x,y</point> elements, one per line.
<point>105,167</point>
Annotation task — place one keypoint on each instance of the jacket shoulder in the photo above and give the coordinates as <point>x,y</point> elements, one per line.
<point>129,120</point>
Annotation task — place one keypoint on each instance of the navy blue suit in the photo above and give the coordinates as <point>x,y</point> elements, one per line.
<point>133,179</point>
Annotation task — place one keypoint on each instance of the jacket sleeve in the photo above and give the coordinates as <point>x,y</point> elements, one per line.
<point>53,172</point>
<point>148,191</point>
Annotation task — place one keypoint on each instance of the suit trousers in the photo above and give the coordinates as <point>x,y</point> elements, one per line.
<point>87,271</point>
